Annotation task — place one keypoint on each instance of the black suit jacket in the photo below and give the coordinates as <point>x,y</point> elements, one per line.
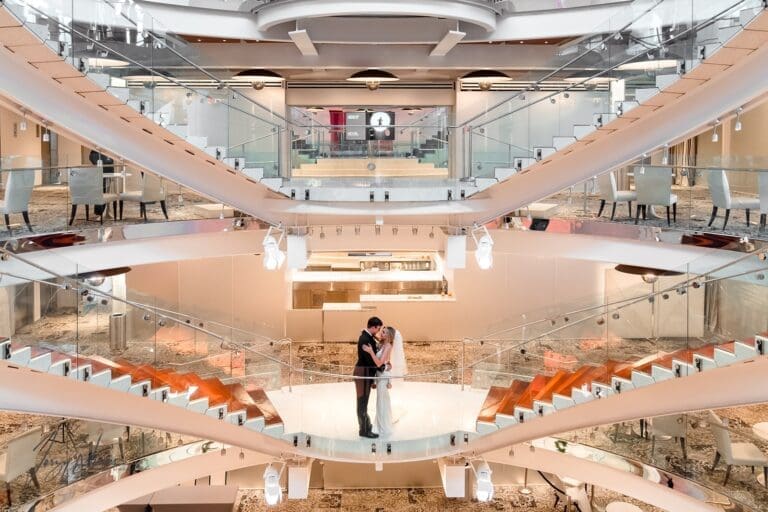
<point>364,359</point>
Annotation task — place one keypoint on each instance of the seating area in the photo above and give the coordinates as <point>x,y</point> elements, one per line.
<point>523,401</point>
<point>243,405</point>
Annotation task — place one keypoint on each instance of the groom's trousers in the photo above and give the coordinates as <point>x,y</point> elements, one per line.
<point>363,391</point>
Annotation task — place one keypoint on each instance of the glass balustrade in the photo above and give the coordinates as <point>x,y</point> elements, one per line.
<point>132,56</point>
<point>91,196</point>
<point>716,196</point>
<point>597,80</point>
<point>53,459</point>
<point>641,319</point>
<point>686,445</point>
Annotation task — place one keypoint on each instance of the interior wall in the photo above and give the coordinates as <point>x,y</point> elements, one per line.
<point>339,97</point>
<point>17,143</point>
<point>240,292</point>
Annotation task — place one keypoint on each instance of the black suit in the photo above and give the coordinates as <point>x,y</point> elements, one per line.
<point>365,367</point>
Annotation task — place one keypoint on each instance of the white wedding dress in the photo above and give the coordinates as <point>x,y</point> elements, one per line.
<point>384,418</point>
<point>383,402</point>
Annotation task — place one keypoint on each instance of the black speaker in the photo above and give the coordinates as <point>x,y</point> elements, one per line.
<point>539,224</point>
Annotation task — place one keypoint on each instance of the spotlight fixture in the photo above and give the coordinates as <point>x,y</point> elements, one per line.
<point>322,233</point>
<point>432,233</point>
<point>258,78</point>
<point>372,78</point>
<point>273,493</point>
<point>737,125</point>
<point>715,135</point>
<point>46,133</point>
<point>339,230</point>
<point>484,78</point>
<point>357,229</point>
<point>484,247</point>
<point>273,256</point>
<point>377,229</point>
<point>650,278</point>
<point>483,485</point>
<point>415,230</point>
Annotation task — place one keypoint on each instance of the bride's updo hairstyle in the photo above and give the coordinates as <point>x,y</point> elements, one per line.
<point>391,334</point>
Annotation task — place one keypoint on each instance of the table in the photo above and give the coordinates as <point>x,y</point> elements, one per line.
<point>622,506</point>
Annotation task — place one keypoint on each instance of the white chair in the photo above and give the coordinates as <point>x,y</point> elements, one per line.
<point>103,433</point>
<point>674,426</point>
<point>19,458</point>
<point>762,185</point>
<point>735,454</point>
<point>18,190</point>
<point>609,192</point>
<point>722,198</point>
<point>86,187</point>
<point>654,188</point>
<point>152,191</point>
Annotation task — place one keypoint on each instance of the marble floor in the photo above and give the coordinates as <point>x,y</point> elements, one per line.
<point>542,499</point>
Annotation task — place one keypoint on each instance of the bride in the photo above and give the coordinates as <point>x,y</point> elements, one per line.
<point>390,353</point>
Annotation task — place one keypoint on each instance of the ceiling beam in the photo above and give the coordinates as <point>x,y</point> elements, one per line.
<point>446,44</point>
<point>303,42</point>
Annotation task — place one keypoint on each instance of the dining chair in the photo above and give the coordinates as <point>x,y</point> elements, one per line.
<point>18,190</point>
<point>20,457</point>
<point>609,192</point>
<point>86,188</point>
<point>722,198</point>
<point>152,191</point>
<point>654,188</point>
<point>762,186</point>
<point>734,454</point>
<point>674,426</point>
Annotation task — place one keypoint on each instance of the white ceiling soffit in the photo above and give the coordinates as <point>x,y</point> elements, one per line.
<point>281,12</point>
<point>383,30</point>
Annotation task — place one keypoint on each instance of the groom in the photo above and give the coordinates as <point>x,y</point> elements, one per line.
<point>365,367</point>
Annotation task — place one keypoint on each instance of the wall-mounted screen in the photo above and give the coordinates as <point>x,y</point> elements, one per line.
<point>354,128</point>
<point>381,125</point>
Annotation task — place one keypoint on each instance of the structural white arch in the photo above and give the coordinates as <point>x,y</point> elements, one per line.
<point>286,11</point>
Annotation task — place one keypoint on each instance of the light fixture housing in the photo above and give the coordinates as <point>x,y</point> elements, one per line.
<point>258,77</point>
<point>273,493</point>
<point>372,78</point>
<point>273,257</point>
<point>484,247</point>
<point>483,484</point>
<point>484,78</point>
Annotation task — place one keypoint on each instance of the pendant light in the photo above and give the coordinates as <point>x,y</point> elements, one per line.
<point>484,78</point>
<point>258,77</point>
<point>373,78</point>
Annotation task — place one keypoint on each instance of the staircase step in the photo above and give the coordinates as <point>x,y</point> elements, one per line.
<point>643,95</point>
<point>582,130</point>
<point>490,407</point>
<point>560,142</point>
<point>744,351</point>
<point>664,81</point>
<point>640,379</point>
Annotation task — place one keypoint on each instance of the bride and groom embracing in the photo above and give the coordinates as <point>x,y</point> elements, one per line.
<point>380,357</point>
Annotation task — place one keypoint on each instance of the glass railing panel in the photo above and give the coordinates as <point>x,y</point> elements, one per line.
<point>686,445</point>
<point>56,199</point>
<point>53,454</point>
<point>692,191</point>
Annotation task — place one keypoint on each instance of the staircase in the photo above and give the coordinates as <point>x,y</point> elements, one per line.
<point>245,406</point>
<point>523,401</point>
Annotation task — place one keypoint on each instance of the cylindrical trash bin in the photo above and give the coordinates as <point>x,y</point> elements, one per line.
<point>117,331</point>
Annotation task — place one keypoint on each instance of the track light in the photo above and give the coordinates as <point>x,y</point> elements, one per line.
<point>432,233</point>
<point>484,248</point>
<point>715,135</point>
<point>357,229</point>
<point>273,256</point>
<point>339,230</point>
<point>273,493</point>
<point>737,124</point>
<point>484,485</point>
<point>415,230</point>
<point>394,230</point>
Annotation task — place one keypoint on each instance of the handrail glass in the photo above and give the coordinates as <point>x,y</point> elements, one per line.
<point>120,47</point>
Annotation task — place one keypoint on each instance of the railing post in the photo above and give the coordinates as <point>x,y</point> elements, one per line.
<point>461,369</point>
<point>290,366</point>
